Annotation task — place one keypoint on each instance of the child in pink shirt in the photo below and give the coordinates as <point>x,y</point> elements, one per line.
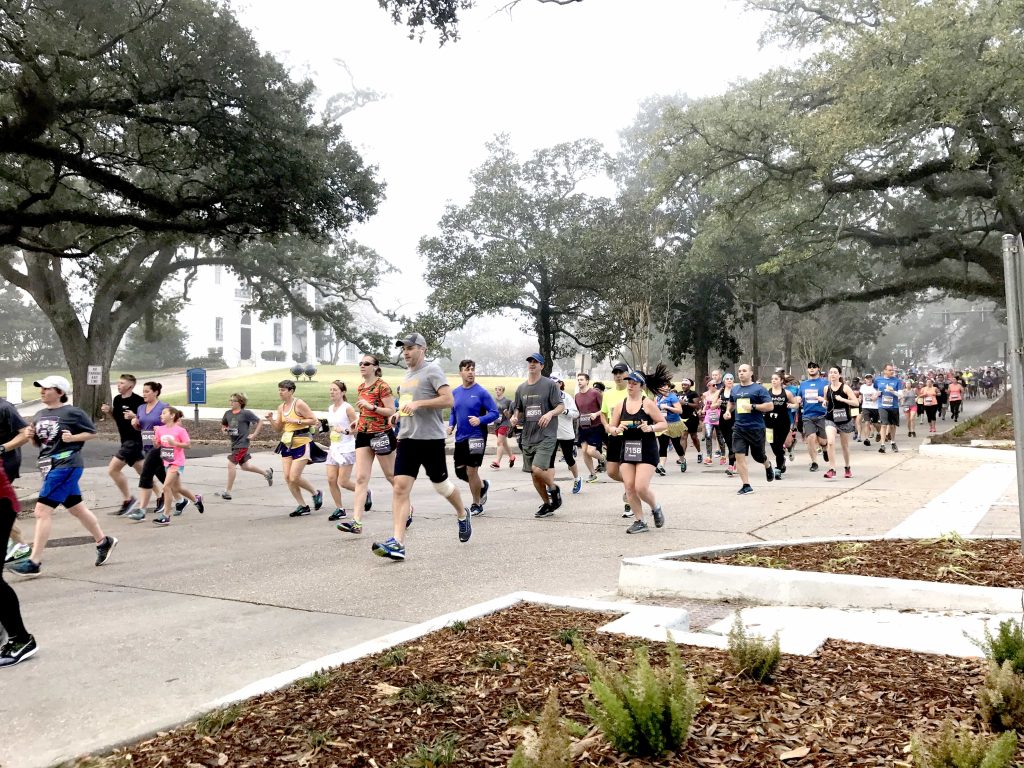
<point>171,440</point>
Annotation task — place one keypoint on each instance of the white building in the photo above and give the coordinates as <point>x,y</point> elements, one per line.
<point>215,318</point>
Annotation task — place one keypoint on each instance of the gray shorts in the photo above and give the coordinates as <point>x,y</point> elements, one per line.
<point>847,427</point>
<point>889,416</point>
<point>540,455</point>
<point>815,426</point>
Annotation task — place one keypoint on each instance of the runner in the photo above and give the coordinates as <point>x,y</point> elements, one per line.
<point>930,402</point>
<point>637,420</point>
<point>943,387</point>
<point>502,429</point>
<point>749,401</point>
<point>613,453</point>
<point>778,421</point>
<point>956,399</point>
<point>591,434</point>
<point>341,455</point>
<point>910,397</point>
<point>122,410</point>
<point>423,394</point>
<point>889,387</point>
<point>869,410</point>
<point>840,400</point>
<point>567,434</point>
<point>20,645</point>
<point>539,401</point>
<point>690,400</point>
<point>726,424</point>
<point>374,439</point>
<point>236,422</point>
<point>173,439</point>
<point>712,410</point>
<point>60,431</point>
<point>812,413</point>
<point>296,421</point>
<point>148,418</point>
<point>472,411</point>
<point>671,406</point>
<point>12,437</point>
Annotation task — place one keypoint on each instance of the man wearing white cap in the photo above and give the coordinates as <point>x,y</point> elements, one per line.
<point>60,430</point>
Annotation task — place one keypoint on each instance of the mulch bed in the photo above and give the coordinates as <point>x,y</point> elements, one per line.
<point>950,560</point>
<point>994,423</point>
<point>480,685</point>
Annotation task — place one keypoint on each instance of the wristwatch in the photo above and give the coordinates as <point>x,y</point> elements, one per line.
<point>3,449</point>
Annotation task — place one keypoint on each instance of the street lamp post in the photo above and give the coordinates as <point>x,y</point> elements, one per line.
<point>1013,252</point>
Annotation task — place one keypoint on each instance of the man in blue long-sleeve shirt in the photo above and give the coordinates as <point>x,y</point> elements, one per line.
<point>473,410</point>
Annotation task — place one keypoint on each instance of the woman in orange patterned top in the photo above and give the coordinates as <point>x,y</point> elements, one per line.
<point>374,438</point>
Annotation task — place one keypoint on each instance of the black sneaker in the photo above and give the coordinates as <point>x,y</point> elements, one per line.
<point>881,448</point>
<point>659,517</point>
<point>318,500</point>
<point>483,495</point>
<point>199,503</point>
<point>638,526</point>
<point>544,511</point>
<point>179,506</point>
<point>337,514</point>
<point>104,548</point>
<point>895,449</point>
<point>299,511</point>
<point>127,506</point>
<point>867,441</point>
<point>660,470</point>
<point>769,472</point>
<point>12,652</point>
<point>824,453</point>
<point>475,510</point>
<point>744,490</point>
<point>465,527</point>
<point>556,498</point>
<point>368,504</point>
<point>814,466</point>
<point>159,506</point>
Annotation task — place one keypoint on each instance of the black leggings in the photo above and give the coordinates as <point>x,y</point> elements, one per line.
<point>568,446</point>
<point>930,411</point>
<point>677,443</point>
<point>954,408</point>
<point>152,466</point>
<point>725,433</point>
<point>10,608</point>
<point>778,445</point>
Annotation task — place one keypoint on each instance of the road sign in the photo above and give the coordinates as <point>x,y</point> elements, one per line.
<point>196,386</point>
<point>94,375</point>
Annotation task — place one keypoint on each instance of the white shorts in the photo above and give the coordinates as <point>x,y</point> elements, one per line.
<point>339,459</point>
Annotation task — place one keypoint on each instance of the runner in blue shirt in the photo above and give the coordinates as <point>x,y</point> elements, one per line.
<point>749,401</point>
<point>889,387</point>
<point>812,412</point>
<point>472,411</point>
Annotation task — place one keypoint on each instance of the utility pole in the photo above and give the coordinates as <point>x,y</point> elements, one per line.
<point>1013,276</point>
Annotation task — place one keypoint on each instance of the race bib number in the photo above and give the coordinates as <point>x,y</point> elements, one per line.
<point>714,416</point>
<point>44,466</point>
<point>476,446</point>
<point>533,412</point>
<point>148,438</point>
<point>811,397</point>
<point>632,451</point>
<point>743,405</point>
<point>585,421</point>
<point>840,417</point>
<point>167,454</point>
<point>381,443</point>
<point>404,399</point>
<point>769,435</point>
<point>888,401</point>
<point>286,439</point>
<point>335,436</point>
<point>855,412</point>
<point>930,400</point>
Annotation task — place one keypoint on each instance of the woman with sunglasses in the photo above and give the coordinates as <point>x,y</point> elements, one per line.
<point>374,438</point>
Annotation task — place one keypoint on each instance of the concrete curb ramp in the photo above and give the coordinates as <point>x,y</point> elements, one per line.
<point>667,575</point>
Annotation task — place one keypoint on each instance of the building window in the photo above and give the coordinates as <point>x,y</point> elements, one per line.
<point>216,274</point>
<point>246,318</point>
<point>218,329</point>
<point>277,334</point>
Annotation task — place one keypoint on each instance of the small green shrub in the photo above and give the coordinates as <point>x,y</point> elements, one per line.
<point>318,739</point>
<point>393,657</point>
<point>646,712</point>
<point>1001,698</point>
<point>440,752</point>
<point>316,682</point>
<point>493,658</point>
<point>1007,644</point>
<point>568,636</point>
<point>426,692</point>
<point>761,561</point>
<point>952,749</point>
<point>551,749</point>
<point>457,626</point>
<point>752,655</point>
<point>214,722</point>
<point>514,713</point>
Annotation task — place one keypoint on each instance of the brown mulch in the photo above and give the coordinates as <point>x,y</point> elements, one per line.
<point>994,423</point>
<point>848,705</point>
<point>950,559</point>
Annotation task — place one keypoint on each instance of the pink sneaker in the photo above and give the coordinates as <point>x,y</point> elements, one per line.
<point>708,462</point>
<point>722,460</point>
<point>847,473</point>
<point>830,475</point>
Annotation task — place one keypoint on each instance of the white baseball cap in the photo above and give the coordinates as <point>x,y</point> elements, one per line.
<point>54,382</point>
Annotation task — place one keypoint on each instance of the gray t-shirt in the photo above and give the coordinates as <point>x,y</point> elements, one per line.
<point>422,384</point>
<point>239,426</point>
<point>50,423</point>
<point>505,409</point>
<point>533,401</point>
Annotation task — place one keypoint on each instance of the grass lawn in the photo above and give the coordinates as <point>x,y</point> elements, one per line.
<point>261,387</point>
<point>28,392</point>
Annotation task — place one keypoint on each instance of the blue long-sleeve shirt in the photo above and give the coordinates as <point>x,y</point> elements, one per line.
<point>474,401</point>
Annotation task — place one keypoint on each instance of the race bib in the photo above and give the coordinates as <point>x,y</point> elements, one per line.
<point>888,401</point>
<point>335,436</point>
<point>632,451</point>
<point>167,454</point>
<point>476,446</point>
<point>533,412</point>
<point>44,466</point>
<point>840,417</point>
<point>381,443</point>
<point>403,400</point>
<point>855,412</point>
<point>585,421</point>
<point>148,438</point>
<point>811,397</point>
<point>769,435</point>
<point>930,400</point>
<point>743,405</point>
<point>714,416</point>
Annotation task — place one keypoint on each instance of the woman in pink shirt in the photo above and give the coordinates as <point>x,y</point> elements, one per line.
<point>172,440</point>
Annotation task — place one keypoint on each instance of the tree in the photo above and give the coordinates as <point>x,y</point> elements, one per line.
<point>527,242</point>
<point>442,15</point>
<point>142,139</point>
<point>26,337</point>
<point>158,344</point>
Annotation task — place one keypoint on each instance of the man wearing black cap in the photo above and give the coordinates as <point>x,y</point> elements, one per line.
<point>812,411</point>
<point>537,403</point>
<point>422,395</point>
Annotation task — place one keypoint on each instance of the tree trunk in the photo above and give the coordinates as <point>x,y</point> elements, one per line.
<point>787,342</point>
<point>755,347</point>
<point>96,351</point>
<point>545,337</point>
<point>701,369</point>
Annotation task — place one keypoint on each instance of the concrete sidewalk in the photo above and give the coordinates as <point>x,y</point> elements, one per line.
<point>185,614</point>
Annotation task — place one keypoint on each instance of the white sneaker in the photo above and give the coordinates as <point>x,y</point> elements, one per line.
<point>17,552</point>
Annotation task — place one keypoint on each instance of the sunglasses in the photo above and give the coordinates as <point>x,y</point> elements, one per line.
<point>365,363</point>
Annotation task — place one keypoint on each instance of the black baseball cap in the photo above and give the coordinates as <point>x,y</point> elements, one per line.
<point>620,368</point>
<point>813,365</point>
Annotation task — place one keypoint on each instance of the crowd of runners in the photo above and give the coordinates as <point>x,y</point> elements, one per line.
<point>622,430</point>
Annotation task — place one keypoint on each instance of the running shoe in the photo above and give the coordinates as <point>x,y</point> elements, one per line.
<point>708,462</point>
<point>718,454</point>
<point>199,503</point>
<point>638,526</point>
<point>544,511</point>
<point>368,504</point>
<point>465,527</point>
<point>127,506</point>
<point>511,462</point>
<point>867,441</point>
<point>269,475</point>
<point>299,511</point>
<point>408,520</point>
<point>337,514</point>
<point>162,520</point>
<point>778,474</point>
<point>659,517</point>
<point>744,490</point>
<point>700,458</point>
<point>577,485</point>
<point>475,510</point>
<point>391,549</point>
<point>847,473</point>
<point>159,510</point>
<point>350,526</point>
<point>556,498</point>
<point>26,568</point>
<point>894,448</point>
<point>824,453</point>
<point>660,470</point>
<point>138,514</point>
<point>830,474</point>
<point>627,510</point>
<point>17,552</point>
<point>104,549</point>
<point>223,495</point>
<point>602,465</point>
<point>730,470</point>
<point>483,494</point>
<point>495,465</point>
<point>592,479</point>
<point>13,652</point>
<point>722,461</point>
<point>682,465</point>
<point>881,448</point>
<point>179,506</point>
<point>769,472</point>
<point>679,461</point>
<point>878,437</point>
<point>318,500</point>
<point>814,466</point>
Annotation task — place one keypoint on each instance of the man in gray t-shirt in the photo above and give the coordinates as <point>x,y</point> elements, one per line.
<point>423,394</point>
<point>536,406</point>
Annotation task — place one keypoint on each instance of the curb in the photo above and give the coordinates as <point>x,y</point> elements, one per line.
<point>991,455</point>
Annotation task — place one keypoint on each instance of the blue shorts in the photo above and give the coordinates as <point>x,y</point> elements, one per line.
<point>60,486</point>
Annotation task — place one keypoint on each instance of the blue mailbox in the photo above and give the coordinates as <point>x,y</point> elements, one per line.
<point>196,386</point>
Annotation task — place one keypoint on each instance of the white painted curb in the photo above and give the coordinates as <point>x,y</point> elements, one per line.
<point>663,575</point>
<point>964,453</point>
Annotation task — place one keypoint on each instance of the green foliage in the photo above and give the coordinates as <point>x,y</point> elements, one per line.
<point>26,336</point>
<point>962,749</point>
<point>426,692</point>
<point>552,747</point>
<point>494,658</point>
<point>568,636</point>
<point>316,682</point>
<point>760,561</point>
<point>457,626</point>
<point>1001,698</point>
<point>440,752</point>
<point>214,722</point>
<point>317,739</point>
<point>157,341</point>
<point>645,712</point>
<point>752,655</point>
<point>393,657</point>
